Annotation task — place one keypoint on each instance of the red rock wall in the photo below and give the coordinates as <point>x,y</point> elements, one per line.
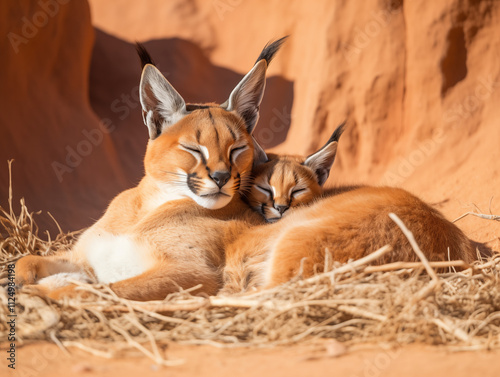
<point>44,76</point>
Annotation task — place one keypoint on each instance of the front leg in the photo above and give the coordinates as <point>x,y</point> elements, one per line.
<point>32,268</point>
<point>154,284</point>
<point>67,291</point>
<point>167,278</point>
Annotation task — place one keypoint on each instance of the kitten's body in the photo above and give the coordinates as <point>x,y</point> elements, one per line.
<point>347,222</point>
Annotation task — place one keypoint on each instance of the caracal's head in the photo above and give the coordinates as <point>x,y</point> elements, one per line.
<point>285,182</point>
<point>204,152</point>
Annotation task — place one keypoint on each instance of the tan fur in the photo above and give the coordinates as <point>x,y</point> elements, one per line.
<point>184,241</point>
<point>171,230</point>
<point>349,225</point>
<point>178,229</point>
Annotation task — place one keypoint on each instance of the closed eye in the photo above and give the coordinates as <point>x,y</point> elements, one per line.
<point>296,192</point>
<point>236,151</point>
<point>190,149</point>
<point>265,190</point>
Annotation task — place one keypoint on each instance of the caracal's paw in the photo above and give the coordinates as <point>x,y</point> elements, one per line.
<point>60,285</point>
<point>231,286</point>
<point>68,291</point>
<point>227,292</point>
<point>29,269</point>
<point>234,288</point>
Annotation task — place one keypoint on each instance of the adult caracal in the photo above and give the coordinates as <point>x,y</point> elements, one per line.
<point>349,224</point>
<point>171,230</point>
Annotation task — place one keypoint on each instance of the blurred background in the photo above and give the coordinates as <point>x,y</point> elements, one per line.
<point>418,82</point>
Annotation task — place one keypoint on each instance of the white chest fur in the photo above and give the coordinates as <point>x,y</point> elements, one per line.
<point>117,257</point>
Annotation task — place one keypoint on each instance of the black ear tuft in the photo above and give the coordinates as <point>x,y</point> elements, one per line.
<point>246,97</point>
<point>144,55</point>
<point>270,50</point>
<point>337,133</point>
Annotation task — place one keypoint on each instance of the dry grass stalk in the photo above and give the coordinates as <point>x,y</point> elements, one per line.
<point>19,233</point>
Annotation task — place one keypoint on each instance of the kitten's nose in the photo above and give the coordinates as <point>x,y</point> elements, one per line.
<point>281,208</point>
<point>220,177</point>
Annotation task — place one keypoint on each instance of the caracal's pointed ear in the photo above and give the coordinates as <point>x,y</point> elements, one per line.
<point>246,97</point>
<point>161,105</point>
<point>321,162</point>
<point>259,156</point>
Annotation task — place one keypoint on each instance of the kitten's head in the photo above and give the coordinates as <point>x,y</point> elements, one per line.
<point>286,182</point>
<point>204,152</point>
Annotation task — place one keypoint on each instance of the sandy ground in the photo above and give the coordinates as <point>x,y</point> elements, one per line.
<point>45,359</point>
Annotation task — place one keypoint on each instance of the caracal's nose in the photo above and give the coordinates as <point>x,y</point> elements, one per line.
<point>281,209</point>
<point>220,177</point>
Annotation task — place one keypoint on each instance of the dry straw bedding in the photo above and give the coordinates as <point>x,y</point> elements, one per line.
<point>354,304</point>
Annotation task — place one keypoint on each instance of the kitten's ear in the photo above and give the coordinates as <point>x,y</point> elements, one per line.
<point>321,162</point>
<point>259,156</point>
<point>161,105</point>
<point>246,97</point>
